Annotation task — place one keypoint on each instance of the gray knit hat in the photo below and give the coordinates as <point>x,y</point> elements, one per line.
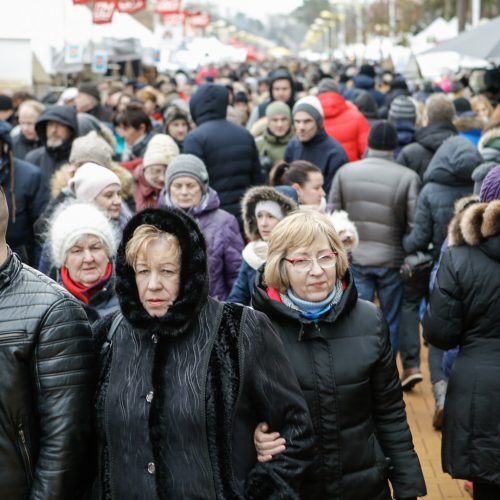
<point>277,108</point>
<point>327,85</point>
<point>91,148</point>
<point>403,108</point>
<point>311,105</point>
<point>189,165</point>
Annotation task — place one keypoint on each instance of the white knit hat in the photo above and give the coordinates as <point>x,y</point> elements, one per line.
<point>161,150</point>
<point>311,105</point>
<point>72,221</point>
<point>90,179</point>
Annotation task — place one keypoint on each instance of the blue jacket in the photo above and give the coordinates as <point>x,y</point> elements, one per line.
<point>244,285</point>
<point>367,83</point>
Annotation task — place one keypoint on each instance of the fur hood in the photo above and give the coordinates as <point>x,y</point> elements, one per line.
<point>59,181</point>
<point>475,223</point>
<point>193,293</point>
<point>490,139</point>
<point>250,200</point>
<point>468,123</point>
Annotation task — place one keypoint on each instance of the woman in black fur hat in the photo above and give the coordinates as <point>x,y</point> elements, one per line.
<point>184,380</point>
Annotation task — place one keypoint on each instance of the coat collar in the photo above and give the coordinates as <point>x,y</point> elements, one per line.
<point>10,269</point>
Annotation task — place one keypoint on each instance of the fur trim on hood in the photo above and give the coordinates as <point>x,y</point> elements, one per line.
<point>468,123</point>
<point>487,138</point>
<point>475,224</point>
<point>455,237</point>
<point>193,292</point>
<point>250,200</point>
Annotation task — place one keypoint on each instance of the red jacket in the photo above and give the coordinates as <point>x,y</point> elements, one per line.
<point>346,124</point>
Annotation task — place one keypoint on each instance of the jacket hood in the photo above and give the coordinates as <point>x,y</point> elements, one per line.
<point>432,136</point>
<point>490,140</point>
<point>193,292</point>
<point>250,200</point>
<point>61,114</point>
<point>366,104</point>
<point>281,74</point>
<point>333,104</point>
<point>453,163</point>
<point>364,82</point>
<point>468,123</point>
<point>208,103</point>
<point>209,202</point>
<point>272,139</point>
<point>478,226</point>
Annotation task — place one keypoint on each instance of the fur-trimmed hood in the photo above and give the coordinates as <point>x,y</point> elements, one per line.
<point>468,123</point>
<point>193,291</point>
<point>250,200</point>
<point>490,139</point>
<point>475,224</point>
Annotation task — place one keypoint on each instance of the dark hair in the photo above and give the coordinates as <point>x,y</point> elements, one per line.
<point>134,116</point>
<point>296,172</point>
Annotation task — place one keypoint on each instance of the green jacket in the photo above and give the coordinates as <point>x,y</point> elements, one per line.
<point>273,147</point>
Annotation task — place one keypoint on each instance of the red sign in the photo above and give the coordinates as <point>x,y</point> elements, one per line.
<point>173,19</point>
<point>168,6</point>
<point>130,6</point>
<point>76,2</point>
<point>102,13</point>
<point>199,21</point>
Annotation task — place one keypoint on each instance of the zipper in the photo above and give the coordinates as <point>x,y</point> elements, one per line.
<point>5,337</point>
<point>24,452</point>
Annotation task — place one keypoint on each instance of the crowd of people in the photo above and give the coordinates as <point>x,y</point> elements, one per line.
<point>205,281</point>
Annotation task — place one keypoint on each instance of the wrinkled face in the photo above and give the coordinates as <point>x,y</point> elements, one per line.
<point>282,90</point>
<point>110,201</point>
<point>315,284</point>
<point>312,191</point>
<point>265,224</point>
<point>185,192</point>
<point>157,276</point>
<point>178,129</point>
<point>86,260</point>
<point>131,135</point>
<point>27,119</point>
<point>279,125</point>
<point>305,126</point>
<point>85,102</point>
<point>155,175</point>
<point>57,133</point>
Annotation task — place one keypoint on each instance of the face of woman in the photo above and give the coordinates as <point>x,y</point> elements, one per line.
<point>178,129</point>
<point>155,176</point>
<point>315,284</point>
<point>110,201</point>
<point>185,192</point>
<point>311,192</point>
<point>157,275</point>
<point>482,111</point>
<point>86,260</point>
<point>265,224</point>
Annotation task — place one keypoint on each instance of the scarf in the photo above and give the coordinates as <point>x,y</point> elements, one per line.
<point>82,292</point>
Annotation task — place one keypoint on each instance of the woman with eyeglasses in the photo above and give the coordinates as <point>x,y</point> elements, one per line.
<point>339,346</point>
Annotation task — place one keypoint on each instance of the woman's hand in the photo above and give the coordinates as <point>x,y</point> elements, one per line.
<point>267,443</point>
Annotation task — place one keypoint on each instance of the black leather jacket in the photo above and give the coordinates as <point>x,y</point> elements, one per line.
<point>46,386</point>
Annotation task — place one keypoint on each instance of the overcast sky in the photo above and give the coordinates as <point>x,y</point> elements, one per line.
<point>258,8</point>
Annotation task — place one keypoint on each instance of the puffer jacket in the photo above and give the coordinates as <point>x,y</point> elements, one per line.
<point>417,155</point>
<point>223,238</point>
<point>345,124</point>
<point>464,311</point>
<point>228,150</point>
<point>406,133</point>
<point>51,159</point>
<point>46,388</point>
<point>380,197</point>
<point>272,147</point>
<point>22,146</point>
<point>356,404</point>
<point>179,396</point>
<point>447,179</point>
<point>489,147</point>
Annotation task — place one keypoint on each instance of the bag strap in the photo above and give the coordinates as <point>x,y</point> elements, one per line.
<point>112,330</point>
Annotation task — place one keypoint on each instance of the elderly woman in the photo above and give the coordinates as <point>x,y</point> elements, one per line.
<point>184,379</point>
<point>82,245</point>
<point>340,350</point>
<point>186,187</point>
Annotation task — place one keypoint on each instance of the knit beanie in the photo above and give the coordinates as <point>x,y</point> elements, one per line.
<point>327,85</point>
<point>173,113</point>
<point>241,97</point>
<point>383,136</point>
<point>277,108</point>
<point>90,179</point>
<point>74,220</point>
<point>403,109</point>
<point>161,150</point>
<point>490,189</point>
<point>189,165</point>
<point>367,70</point>
<point>91,148</point>
<point>462,105</point>
<point>271,207</point>
<point>90,89</point>
<point>311,105</point>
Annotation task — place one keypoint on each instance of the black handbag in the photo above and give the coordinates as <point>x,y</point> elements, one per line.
<point>416,265</point>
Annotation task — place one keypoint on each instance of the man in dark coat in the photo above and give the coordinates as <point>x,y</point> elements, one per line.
<point>27,139</point>
<point>365,80</point>
<point>47,383</point>
<point>88,101</point>
<point>439,114</point>
<point>26,198</point>
<point>312,143</point>
<point>57,127</point>
<point>228,150</point>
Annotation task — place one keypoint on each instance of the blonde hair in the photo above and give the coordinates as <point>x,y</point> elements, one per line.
<point>477,100</point>
<point>299,229</point>
<point>143,237</point>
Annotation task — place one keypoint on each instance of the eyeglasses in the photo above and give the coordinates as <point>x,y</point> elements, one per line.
<point>305,264</point>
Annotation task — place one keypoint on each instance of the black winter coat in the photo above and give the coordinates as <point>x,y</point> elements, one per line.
<point>22,146</point>
<point>46,387</point>
<point>180,396</point>
<point>228,150</point>
<point>418,154</point>
<point>447,179</point>
<point>348,374</point>
<point>464,311</point>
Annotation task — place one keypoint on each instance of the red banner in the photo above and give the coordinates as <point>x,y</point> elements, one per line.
<point>102,13</point>
<point>76,2</point>
<point>199,21</point>
<point>130,6</point>
<point>168,6</point>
